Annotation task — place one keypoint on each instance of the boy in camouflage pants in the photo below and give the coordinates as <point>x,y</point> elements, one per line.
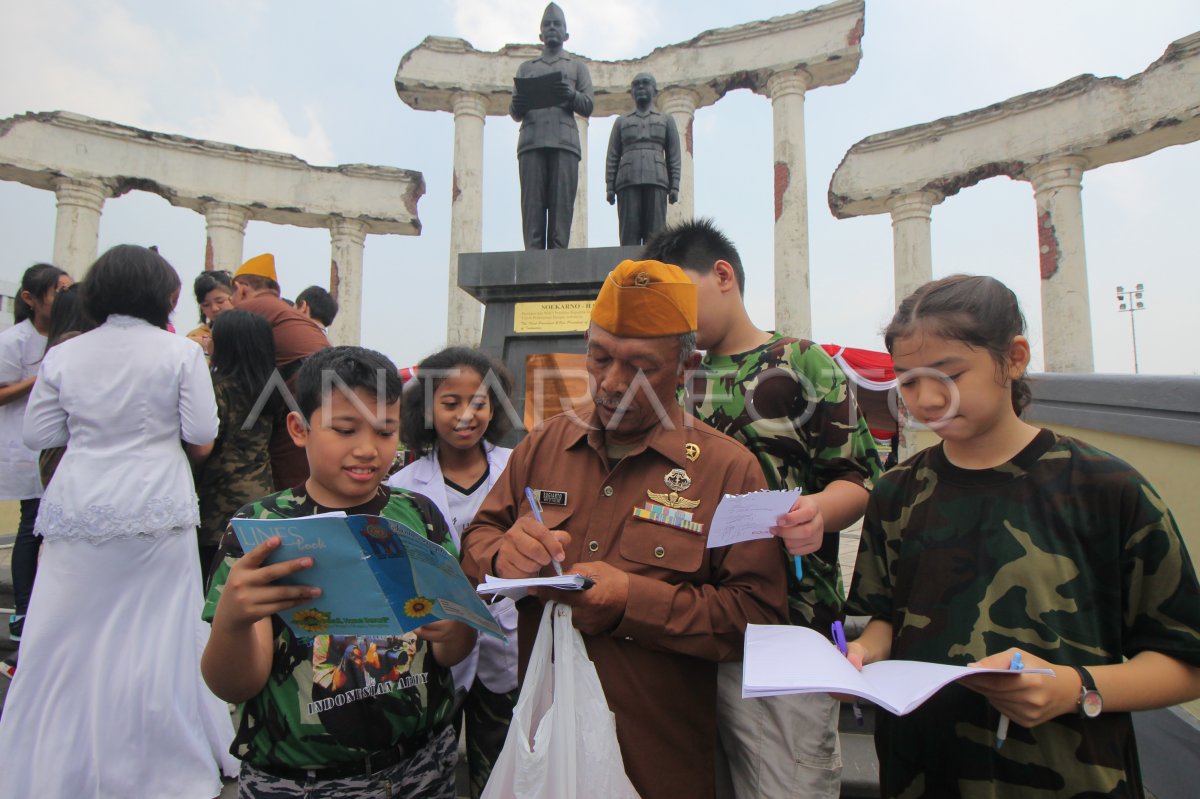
<point>788,402</point>
<point>344,716</point>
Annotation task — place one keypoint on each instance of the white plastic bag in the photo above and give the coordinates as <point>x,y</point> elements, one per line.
<point>562,743</point>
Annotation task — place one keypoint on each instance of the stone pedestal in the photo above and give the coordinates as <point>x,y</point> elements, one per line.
<point>529,284</point>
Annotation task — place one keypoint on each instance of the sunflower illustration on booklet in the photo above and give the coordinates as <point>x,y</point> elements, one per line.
<point>376,576</point>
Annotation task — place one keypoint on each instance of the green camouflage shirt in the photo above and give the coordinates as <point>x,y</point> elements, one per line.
<point>1065,552</point>
<point>788,402</point>
<point>333,700</point>
<point>239,469</point>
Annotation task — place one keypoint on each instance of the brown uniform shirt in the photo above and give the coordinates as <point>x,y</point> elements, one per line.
<point>296,337</point>
<point>688,606</point>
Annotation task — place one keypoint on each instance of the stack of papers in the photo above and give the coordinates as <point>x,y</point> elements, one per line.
<point>781,659</point>
<point>519,587</point>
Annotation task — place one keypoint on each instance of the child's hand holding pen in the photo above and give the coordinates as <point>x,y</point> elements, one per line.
<point>1028,699</point>
<point>839,638</point>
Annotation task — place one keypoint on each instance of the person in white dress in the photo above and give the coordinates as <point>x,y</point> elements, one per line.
<point>108,700</point>
<point>21,350</point>
<point>452,413</point>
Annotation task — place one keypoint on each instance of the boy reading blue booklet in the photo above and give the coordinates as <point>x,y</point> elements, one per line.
<point>377,576</point>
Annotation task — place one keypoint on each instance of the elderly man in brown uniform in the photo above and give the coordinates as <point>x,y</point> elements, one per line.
<point>256,289</point>
<point>664,609</point>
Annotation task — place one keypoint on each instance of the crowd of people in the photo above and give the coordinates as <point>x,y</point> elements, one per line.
<point>131,448</point>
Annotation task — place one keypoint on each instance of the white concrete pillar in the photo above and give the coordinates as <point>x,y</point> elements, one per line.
<point>226,235</point>
<point>579,219</point>
<point>346,278</point>
<point>681,105</point>
<point>912,247</point>
<point>793,314</point>
<point>1066,318</point>
<point>77,228</point>
<point>466,213</point>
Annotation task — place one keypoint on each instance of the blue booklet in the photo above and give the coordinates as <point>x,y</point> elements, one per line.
<point>376,576</point>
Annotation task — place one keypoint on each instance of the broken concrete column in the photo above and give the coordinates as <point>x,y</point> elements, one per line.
<point>793,315</point>
<point>346,278</point>
<point>911,243</point>
<point>1066,320</point>
<point>226,235</point>
<point>579,217</point>
<point>77,228</point>
<point>466,213</point>
<point>681,103</point>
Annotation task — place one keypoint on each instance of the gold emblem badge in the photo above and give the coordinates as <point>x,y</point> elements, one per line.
<point>641,280</point>
<point>677,480</point>
<point>691,451</point>
<point>673,500</point>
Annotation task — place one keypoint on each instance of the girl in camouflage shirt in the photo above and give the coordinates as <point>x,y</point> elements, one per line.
<point>1005,538</point>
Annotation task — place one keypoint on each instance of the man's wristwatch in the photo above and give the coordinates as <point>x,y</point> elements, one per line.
<point>1090,701</point>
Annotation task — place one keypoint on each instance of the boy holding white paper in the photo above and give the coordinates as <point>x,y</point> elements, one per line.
<point>787,401</point>
<point>334,715</point>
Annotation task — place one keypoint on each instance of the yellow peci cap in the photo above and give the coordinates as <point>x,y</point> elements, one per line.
<point>646,299</point>
<point>261,265</point>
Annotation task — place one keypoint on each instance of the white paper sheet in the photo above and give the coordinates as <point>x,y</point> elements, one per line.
<point>781,659</point>
<point>517,588</point>
<point>747,517</point>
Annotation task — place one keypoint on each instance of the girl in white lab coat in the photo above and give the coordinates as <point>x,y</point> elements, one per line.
<point>452,414</point>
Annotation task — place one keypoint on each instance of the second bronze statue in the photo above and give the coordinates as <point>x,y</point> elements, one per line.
<point>643,165</point>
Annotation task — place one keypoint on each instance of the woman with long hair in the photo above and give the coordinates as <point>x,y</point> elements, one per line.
<point>239,469</point>
<point>21,348</point>
<point>119,585</point>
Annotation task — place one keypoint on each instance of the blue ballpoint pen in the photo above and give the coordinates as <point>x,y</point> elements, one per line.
<point>537,514</point>
<point>839,638</point>
<point>1002,728</point>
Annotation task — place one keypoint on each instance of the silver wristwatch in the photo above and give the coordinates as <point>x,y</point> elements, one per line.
<point>1090,701</point>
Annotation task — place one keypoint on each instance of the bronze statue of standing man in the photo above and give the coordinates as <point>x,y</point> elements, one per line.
<point>642,169</point>
<point>547,93</point>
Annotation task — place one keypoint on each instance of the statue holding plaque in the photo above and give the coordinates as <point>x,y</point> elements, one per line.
<point>547,93</point>
<point>642,169</point>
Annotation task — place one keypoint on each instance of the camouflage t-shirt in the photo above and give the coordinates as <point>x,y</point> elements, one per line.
<point>239,468</point>
<point>333,700</point>
<point>788,402</point>
<point>1066,552</point>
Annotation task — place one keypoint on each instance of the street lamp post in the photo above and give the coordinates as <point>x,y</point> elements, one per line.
<point>1130,302</point>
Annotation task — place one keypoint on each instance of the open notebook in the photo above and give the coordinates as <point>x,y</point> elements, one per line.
<point>781,659</point>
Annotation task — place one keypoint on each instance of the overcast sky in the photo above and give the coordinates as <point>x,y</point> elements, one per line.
<point>316,79</point>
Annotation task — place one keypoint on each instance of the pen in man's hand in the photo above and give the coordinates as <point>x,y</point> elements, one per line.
<point>839,638</point>
<point>537,514</point>
<point>1002,728</point>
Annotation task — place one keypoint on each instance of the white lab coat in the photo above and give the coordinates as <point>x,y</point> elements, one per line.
<point>492,660</point>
